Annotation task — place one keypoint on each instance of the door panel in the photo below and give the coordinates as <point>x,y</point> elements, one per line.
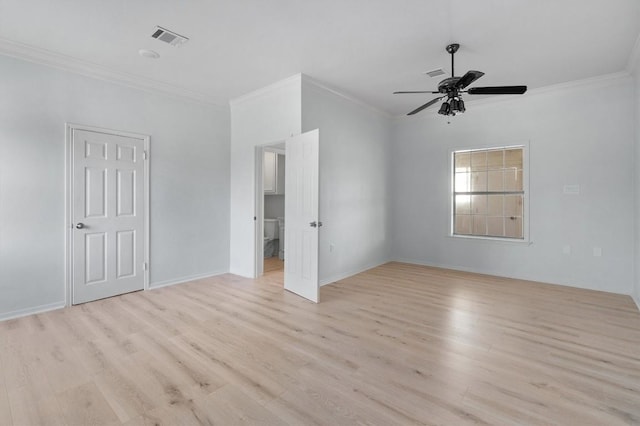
<point>108,215</point>
<point>96,150</point>
<point>95,257</point>
<point>126,253</point>
<point>301,210</point>
<point>95,192</point>
<point>126,192</point>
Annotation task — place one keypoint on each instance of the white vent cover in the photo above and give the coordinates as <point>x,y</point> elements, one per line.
<point>435,73</point>
<point>167,36</point>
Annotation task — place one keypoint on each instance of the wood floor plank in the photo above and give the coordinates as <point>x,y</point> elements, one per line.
<point>398,344</point>
<point>26,410</point>
<point>230,406</point>
<point>272,264</point>
<point>24,371</point>
<point>85,405</point>
<point>5,407</point>
<point>125,389</point>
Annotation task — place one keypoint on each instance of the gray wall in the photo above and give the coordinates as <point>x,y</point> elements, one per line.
<point>273,206</point>
<point>189,166</point>
<point>354,182</point>
<point>582,134</point>
<point>636,280</point>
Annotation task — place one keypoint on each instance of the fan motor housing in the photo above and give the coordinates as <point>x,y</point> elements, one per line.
<point>448,84</point>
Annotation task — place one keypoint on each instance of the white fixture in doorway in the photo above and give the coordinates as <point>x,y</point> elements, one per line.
<point>271,237</point>
<point>107,218</point>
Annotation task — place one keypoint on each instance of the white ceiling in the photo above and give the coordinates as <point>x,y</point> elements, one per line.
<point>365,48</point>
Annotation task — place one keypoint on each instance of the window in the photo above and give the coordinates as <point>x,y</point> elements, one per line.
<point>489,193</point>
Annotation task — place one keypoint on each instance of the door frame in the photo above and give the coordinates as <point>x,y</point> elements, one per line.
<point>258,212</point>
<point>68,198</point>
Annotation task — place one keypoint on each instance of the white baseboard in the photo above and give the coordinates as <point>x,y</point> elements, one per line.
<point>452,267</point>
<point>466,269</point>
<point>59,305</point>
<point>496,274</point>
<point>181,280</point>
<point>344,275</point>
<point>30,311</point>
<point>241,273</point>
<point>485,272</point>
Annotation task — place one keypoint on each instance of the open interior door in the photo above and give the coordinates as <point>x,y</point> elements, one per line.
<point>301,213</point>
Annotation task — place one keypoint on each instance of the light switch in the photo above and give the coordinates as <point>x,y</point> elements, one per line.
<point>566,249</point>
<point>597,251</point>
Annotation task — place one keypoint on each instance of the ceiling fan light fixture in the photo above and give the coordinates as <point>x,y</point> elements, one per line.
<point>461,106</point>
<point>458,105</point>
<point>445,109</point>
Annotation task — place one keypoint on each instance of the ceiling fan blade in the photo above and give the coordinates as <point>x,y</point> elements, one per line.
<point>498,90</point>
<point>420,91</point>
<point>468,78</point>
<point>427,105</point>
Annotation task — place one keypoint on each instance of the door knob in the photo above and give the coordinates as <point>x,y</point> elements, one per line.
<point>80,225</point>
<point>313,224</point>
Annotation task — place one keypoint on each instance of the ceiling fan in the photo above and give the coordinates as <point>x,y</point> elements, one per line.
<point>451,88</point>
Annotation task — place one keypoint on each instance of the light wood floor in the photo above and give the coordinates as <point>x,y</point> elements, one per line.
<point>396,345</point>
<point>272,264</point>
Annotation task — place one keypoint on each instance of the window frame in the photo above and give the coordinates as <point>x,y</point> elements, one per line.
<point>526,236</point>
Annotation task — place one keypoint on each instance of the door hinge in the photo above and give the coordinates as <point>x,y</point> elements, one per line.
<point>145,155</point>
<point>145,266</point>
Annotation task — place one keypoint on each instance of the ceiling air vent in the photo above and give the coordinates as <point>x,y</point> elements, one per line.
<point>435,73</point>
<point>167,36</point>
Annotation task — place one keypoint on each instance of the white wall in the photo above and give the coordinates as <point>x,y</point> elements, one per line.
<point>636,281</point>
<point>354,172</point>
<point>189,178</point>
<point>582,134</point>
<point>266,116</point>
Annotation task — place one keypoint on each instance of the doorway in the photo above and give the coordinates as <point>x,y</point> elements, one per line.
<point>107,213</point>
<point>270,202</point>
<point>301,210</point>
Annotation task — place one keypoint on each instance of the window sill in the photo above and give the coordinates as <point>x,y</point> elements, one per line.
<point>508,241</point>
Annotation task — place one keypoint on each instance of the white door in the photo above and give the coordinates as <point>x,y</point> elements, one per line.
<point>301,213</point>
<point>108,251</point>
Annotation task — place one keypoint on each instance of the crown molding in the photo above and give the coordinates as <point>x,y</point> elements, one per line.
<point>591,82</point>
<point>294,80</point>
<point>323,86</point>
<point>68,63</point>
<point>598,81</point>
